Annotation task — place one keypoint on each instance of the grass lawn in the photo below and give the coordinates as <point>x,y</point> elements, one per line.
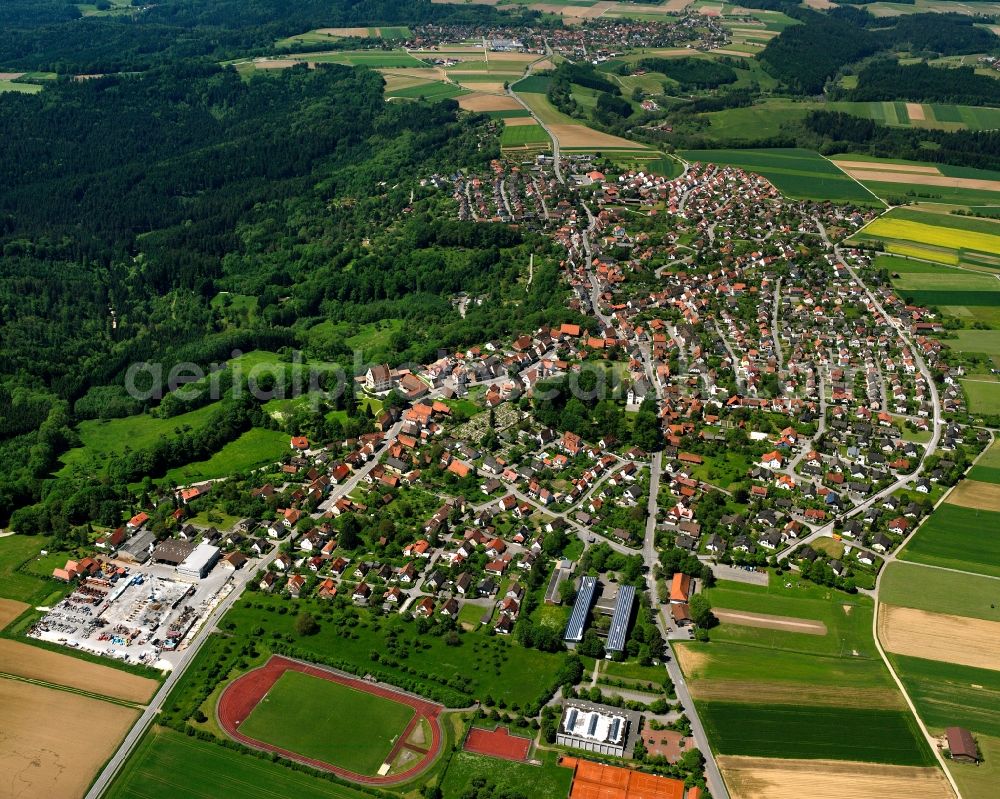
<point>966,539</point>
<point>169,765</point>
<point>16,550</point>
<point>788,731</point>
<point>829,546</point>
<point>759,121</point>
<point>947,695</point>
<point>795,172</point>
<point>480,665</point>
<point>306,714</point>
<point>911,585</point>
<point>634,671</point>
<point>983,396</point>
<point>520,135</point>
<point>546,780</point>
<point>256,447</point>
<point>847,618</point>
<point>113,437</point>
<point>979,781</point>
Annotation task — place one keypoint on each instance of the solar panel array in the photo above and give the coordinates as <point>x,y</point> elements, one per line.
<point>578,619</point>
<point>620,619</point>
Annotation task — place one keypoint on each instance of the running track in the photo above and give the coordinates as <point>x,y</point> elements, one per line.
<point>242,695</point>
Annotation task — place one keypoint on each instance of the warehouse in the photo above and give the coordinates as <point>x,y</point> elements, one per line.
<point>200,562</point>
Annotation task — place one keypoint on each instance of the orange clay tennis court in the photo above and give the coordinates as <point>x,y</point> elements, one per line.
<point>597,781</point>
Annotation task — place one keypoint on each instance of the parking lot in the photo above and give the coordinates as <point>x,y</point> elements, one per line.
<point>138,614</point>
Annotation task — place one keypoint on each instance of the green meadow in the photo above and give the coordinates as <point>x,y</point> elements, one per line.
<point>912,585</point>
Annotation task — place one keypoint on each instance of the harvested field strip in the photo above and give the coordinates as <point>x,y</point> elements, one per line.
<point>881,175</point>
<point>580,136</point>
<point>480,101</point>
<point>940,636</point>
<point>973,494</point>
<point>754,778</point>
<point>54,742</point>
<point>10,609</point>
<point>886,167</point>
<point>831,733</point>
<point>34,663</point>
<point>845,695</point>
<point>767,621</point>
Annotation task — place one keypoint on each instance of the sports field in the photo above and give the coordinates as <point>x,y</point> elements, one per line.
<point>169,765</point>
<point>755,777</point>
<point>796,173</point>
<point>913,585</point>
<point>306,714</point>
<point>523,135</point>
<point>790,731</point>
<point>947,693</point>
<point>53,742</point>
<point>958,538</point>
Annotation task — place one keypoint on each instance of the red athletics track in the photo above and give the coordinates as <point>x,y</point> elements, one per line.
<point>497,743</point>
<point>244,693</point>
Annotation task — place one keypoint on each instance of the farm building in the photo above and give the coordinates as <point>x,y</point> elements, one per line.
<point>581,610</point>
<point>962,745</point>
<point>597,728</point>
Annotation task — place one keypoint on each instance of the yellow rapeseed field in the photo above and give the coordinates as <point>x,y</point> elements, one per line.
<point>922,252</point>
<point>920,233</point>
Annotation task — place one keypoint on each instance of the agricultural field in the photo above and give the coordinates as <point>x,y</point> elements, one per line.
<point>912,585</point>
<point>947,694</point>
<point>428,91</point>
<point>571,133</point>
<point>35,663</point>
<point>958,538</point>
<point>755,777</point>
<point>947,238</point>
<point>831,733</point>
<point>939,116</point>
<point>987,466</point>
<point>796,173</point>
<point>55,760</point>
<point>982,393</point>
<point>975,494</point>
<point>958,639</point>
<point>940,183</point>
<point>305,714</point>
<point>785,664</point>
<point>169,765</point>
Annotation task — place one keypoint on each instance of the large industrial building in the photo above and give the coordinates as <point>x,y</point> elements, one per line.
<point>597,728</point>
<point>200,562</point>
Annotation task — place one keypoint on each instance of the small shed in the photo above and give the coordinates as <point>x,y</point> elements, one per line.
<point>962,745</point>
